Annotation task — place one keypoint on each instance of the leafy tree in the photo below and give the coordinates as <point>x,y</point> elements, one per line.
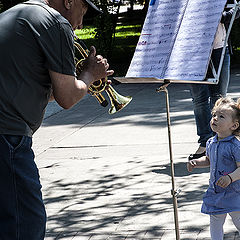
<point>235,33</point>
<point>105,25</point>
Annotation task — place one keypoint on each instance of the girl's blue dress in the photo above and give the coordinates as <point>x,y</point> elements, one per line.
<point>223,156</point>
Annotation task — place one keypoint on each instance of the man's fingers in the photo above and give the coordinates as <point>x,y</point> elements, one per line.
<point>110,72</point>
<point>92,51</point>
<point>97,65</point>
<point>99,58</point>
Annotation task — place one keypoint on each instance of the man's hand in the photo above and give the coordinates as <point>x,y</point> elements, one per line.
<point>95,66</point>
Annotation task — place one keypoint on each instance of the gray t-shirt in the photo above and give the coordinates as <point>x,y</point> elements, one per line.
<point>33,39</point>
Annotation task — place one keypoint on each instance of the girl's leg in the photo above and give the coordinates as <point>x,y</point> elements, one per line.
<point>216,226</point>
<point>236,219</point>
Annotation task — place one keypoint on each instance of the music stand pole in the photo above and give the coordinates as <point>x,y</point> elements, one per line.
<point>174,193</point>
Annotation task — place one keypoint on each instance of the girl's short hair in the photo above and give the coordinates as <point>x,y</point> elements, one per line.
<point>235,105</point>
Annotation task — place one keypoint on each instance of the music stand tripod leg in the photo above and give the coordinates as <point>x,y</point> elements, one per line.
<point>174,193</point>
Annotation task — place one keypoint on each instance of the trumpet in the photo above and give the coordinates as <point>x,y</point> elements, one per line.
<point>118,102</point>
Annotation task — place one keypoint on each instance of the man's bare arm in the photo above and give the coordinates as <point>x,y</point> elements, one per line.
<point>68,90</point>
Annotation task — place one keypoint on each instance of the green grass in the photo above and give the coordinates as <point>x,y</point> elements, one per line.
<point>123,47</point>
<point>121,31</point>
<point>128,31</point>
<point>86,33</point>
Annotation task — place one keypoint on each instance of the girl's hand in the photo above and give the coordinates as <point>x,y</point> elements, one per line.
<point>223,181</point>
<point>191,165</point>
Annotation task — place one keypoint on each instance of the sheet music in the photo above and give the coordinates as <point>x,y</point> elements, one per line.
<point>176,39</point>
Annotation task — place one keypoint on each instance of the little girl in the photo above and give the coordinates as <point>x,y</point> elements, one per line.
<point>223,156</point>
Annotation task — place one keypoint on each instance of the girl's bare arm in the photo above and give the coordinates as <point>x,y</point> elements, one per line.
<point>198,163</point>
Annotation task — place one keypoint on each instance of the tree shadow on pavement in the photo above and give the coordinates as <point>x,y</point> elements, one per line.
<point>131,204</point>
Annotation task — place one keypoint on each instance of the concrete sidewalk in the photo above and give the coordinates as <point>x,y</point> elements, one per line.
<point>107,177</point>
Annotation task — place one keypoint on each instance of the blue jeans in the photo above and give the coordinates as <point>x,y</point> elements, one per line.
<point>204,97</point>
<point>22,212</point>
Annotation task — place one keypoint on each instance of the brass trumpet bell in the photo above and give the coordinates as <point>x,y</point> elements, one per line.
<point>118,102</point>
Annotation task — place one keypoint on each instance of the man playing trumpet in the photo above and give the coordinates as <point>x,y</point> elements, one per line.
<point>36,65</point>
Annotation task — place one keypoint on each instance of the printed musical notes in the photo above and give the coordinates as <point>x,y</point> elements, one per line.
<point>176,39</point>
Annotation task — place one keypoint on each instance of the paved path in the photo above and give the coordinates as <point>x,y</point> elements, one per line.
<point>107,177</point>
